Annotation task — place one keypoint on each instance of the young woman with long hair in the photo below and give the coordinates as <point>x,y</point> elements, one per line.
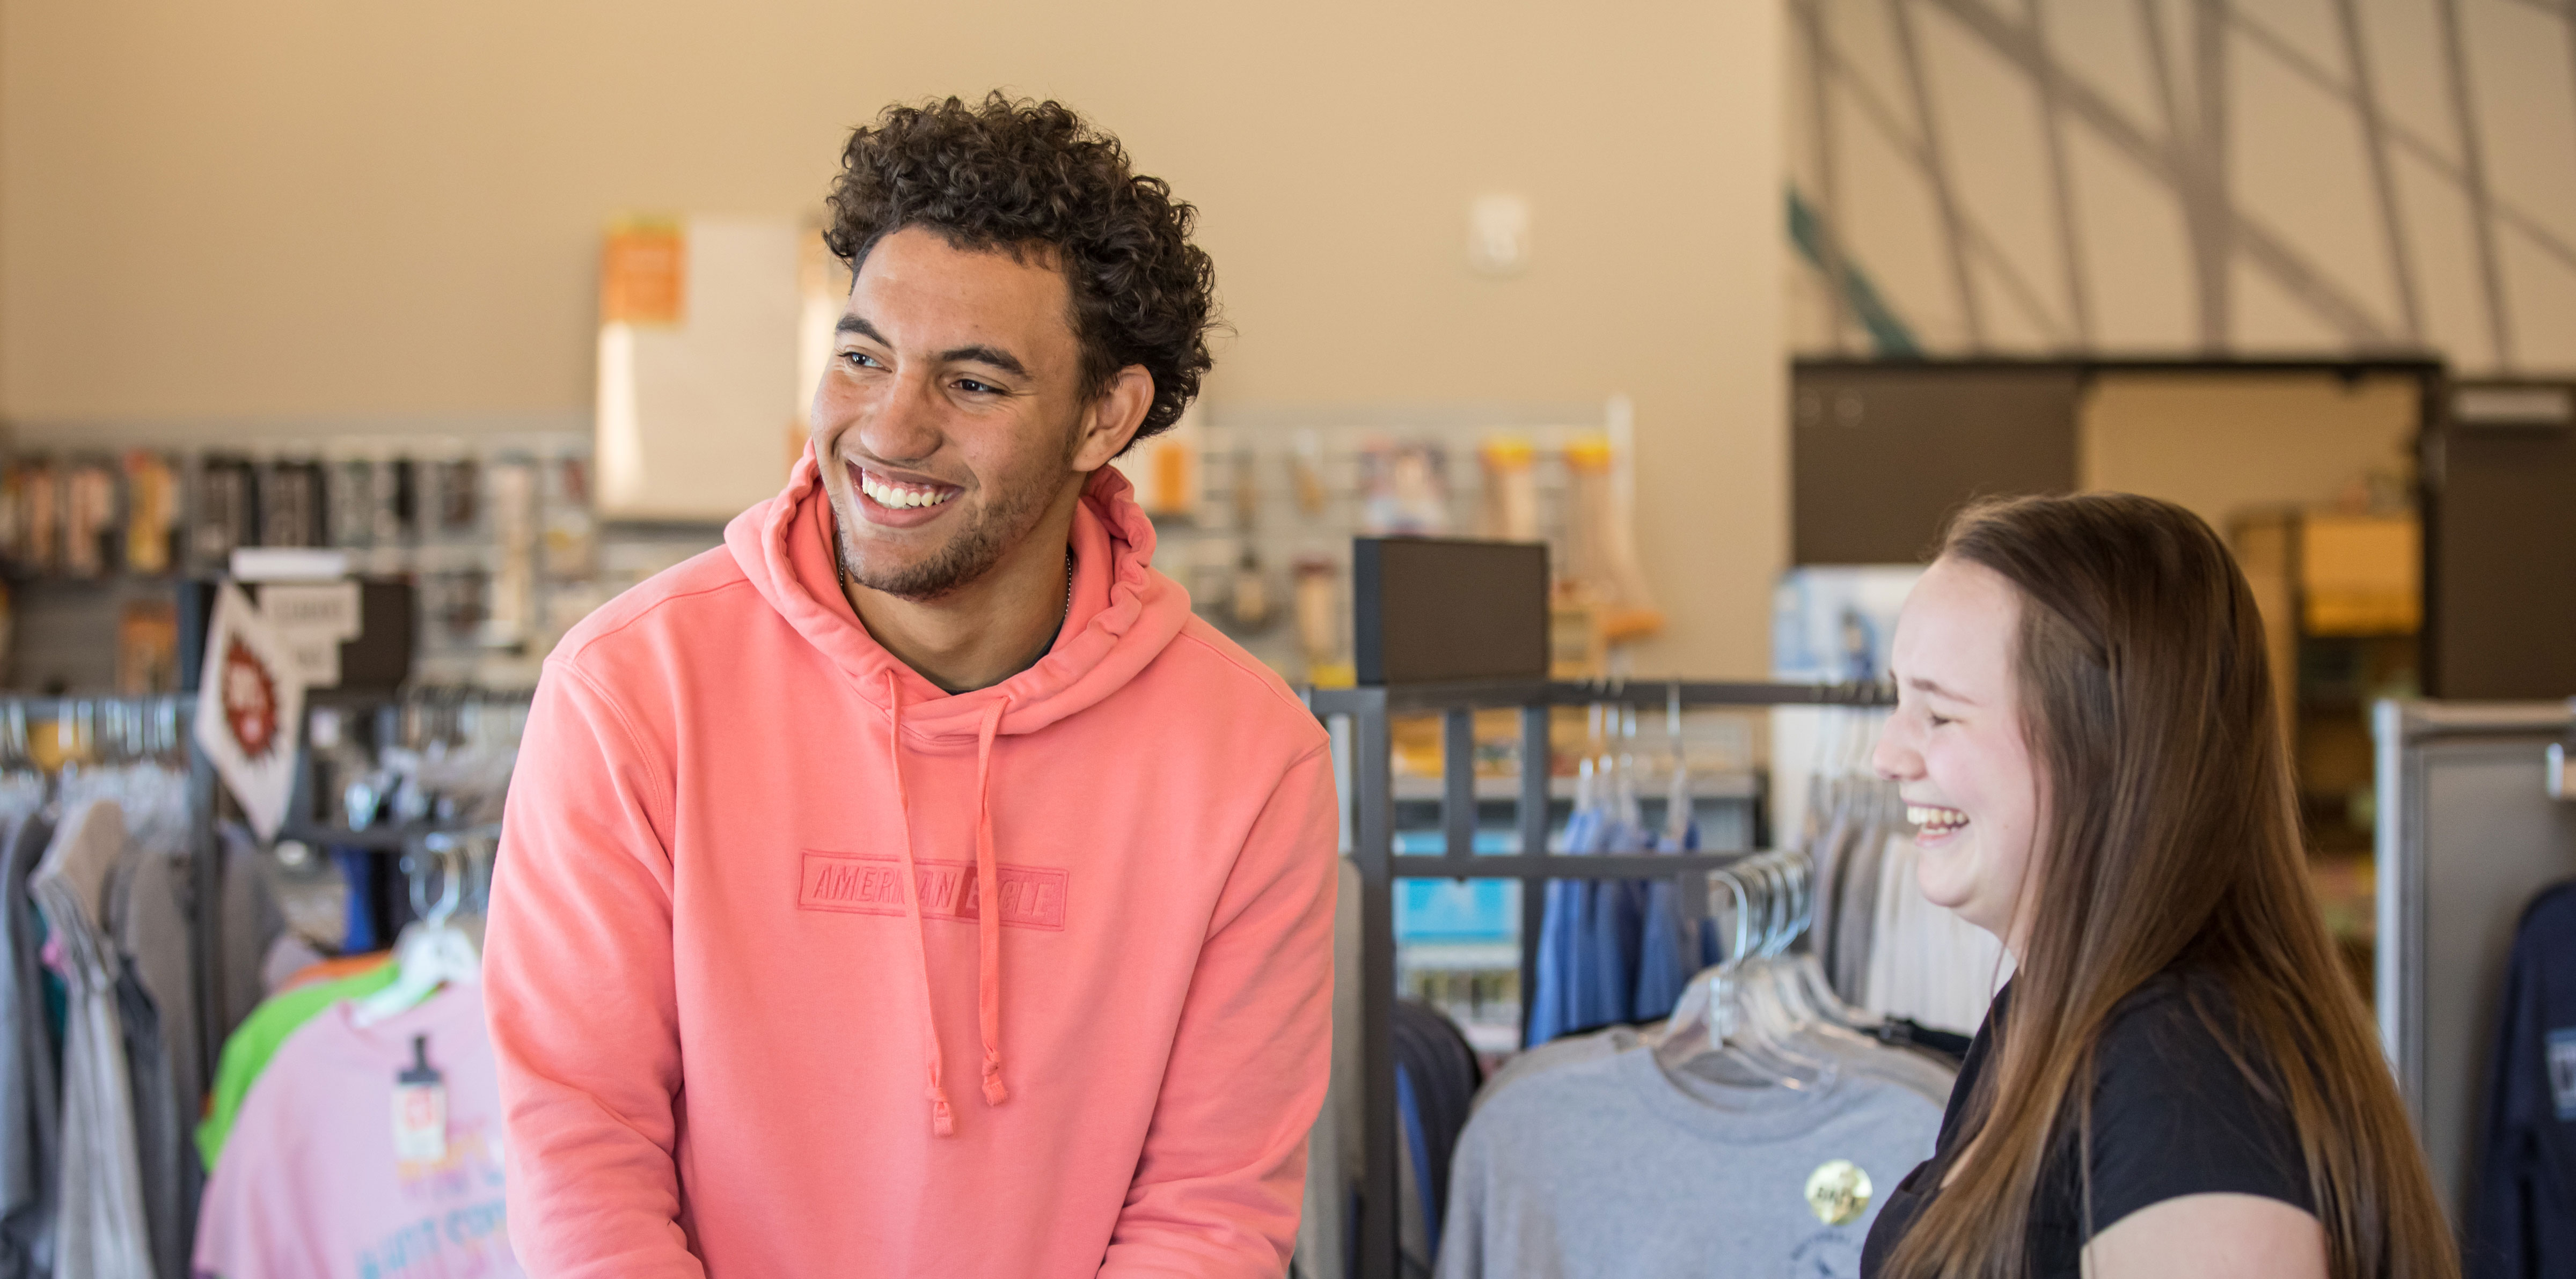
<point>2179,1079</point>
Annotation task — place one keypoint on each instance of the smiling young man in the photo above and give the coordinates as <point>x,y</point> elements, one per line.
<point>913,886</point>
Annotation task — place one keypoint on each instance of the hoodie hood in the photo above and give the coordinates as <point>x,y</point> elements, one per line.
<point>1121,615</point>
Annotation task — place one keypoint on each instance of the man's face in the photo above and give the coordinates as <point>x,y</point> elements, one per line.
<point>948,419</point>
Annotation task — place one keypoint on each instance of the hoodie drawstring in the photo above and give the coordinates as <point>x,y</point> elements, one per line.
<point>988,913</point>
<point>988,910</point>
<point>942,1121</point>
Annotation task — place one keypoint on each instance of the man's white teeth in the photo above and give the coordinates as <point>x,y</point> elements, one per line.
<point>1934,821</point>
<point>900,496</point>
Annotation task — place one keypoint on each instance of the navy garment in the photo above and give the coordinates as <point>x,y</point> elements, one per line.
<point>1605,956</point>
<point>1659,973</point>
<point>2521,1219</point>
<point>1417,1151</point>
<point>1667,955</point>
<point>1675,945</point>
<point>358,870</point>
<point>1436,1078</point>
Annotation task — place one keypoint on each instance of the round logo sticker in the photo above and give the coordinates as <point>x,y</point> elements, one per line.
<point>250,701</point>
<point>1838,1191</point>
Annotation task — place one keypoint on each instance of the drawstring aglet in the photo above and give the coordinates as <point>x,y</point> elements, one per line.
<point>942,1120</point>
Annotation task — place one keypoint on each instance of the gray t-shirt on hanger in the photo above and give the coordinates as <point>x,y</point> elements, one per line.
<point>1855,1051</point>
<point>1558,1052</point>
<point>1607,1168</point>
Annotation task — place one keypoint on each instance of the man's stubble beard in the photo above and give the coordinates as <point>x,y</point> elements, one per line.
<point>965,559</point>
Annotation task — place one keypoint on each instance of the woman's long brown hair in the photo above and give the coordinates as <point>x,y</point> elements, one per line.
<point>2171,832</point>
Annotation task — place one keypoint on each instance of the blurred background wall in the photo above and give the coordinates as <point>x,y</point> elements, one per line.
<point>2242,177</point>
<point>282,217</point>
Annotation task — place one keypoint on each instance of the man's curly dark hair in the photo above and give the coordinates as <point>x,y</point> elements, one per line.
<point>1012,174</point>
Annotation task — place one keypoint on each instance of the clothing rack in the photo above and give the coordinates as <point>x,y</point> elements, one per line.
<point>409,716</point>
<point>1369,784</point>
<point>173,712</point>
<point>2470,828</point>
<point>309,814</point>
<point>79,718</point>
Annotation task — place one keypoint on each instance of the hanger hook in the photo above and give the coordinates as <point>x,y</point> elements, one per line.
<point>1743,916</point>
<point>450,861</point>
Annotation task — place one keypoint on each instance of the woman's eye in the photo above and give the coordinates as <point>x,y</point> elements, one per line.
<point>1938,720</point>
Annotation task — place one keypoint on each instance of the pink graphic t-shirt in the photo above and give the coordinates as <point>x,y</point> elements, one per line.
<point>313,1183</point>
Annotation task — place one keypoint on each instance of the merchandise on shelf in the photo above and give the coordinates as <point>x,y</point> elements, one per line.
<point>151,512</point>
<point>497,536</point>
<point>1257,510</point>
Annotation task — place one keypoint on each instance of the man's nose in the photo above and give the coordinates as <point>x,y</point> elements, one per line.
<point>903,424</point>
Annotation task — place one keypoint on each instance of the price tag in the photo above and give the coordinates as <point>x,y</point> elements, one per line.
<point>420,1109</point>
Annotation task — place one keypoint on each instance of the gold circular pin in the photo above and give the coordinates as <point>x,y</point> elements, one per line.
<point>1838,1191</point>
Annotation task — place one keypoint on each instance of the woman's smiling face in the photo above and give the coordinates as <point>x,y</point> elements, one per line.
<point>1956,749</point>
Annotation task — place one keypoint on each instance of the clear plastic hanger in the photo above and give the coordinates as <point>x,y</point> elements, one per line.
<point>23,786</point>
<point>1793,900</point>
<point>1627,829</point>
<point>434,952</point>
<point>1583,826</point>
<point>1678,814</point>
<point>1802,975</point>
<point>1736,1024</point>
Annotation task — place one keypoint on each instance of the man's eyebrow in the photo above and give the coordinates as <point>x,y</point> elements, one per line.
<point>1922,685</point>
<point>994,356</point>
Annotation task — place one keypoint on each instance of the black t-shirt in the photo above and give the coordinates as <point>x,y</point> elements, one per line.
<point>2172,1116</point>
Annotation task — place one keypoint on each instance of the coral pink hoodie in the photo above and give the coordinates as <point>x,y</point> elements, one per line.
<point>731,1043</point>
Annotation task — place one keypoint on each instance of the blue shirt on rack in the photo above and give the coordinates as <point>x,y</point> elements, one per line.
<point>1551,1007</point>
<point>1605,956</point>
<point>1672,947</point>
<point>1555,1007</point>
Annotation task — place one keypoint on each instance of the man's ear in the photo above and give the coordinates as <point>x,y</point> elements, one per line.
<point>1113,417</point>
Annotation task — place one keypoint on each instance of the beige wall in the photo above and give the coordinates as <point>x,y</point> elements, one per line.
<point>2225,446</point>
<point>303,215</point>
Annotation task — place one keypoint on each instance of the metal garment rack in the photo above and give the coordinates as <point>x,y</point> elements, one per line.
<point>312,818</point>
<point>205,857</point>
<point>2476,815</point>
<point>1371,779</point>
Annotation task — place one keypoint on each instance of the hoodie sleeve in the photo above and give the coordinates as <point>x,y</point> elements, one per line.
<point>1218,1188</point>
<point>578,978</point>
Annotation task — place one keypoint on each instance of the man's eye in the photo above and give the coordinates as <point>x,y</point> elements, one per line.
<point>972,386</point>
<point>1938,720</point>
<point>860,359</point>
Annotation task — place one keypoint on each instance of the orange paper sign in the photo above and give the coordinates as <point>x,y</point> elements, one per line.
<point>640,273</point>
